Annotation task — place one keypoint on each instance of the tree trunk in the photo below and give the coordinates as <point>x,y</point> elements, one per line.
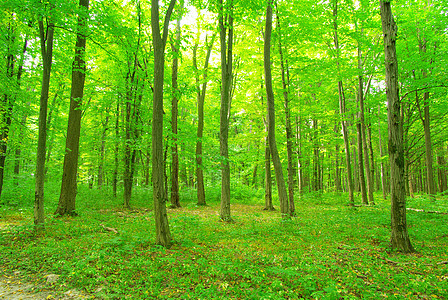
<point>54,109</point>
<point>117,148</point>
<point>7,101</point>
<point>364,149</point>
<point>174,112</point>
<point>163,234</point>
<point>289,136</point>
<point>299,154</point>
<point>127,178</point>
<point>200,96</point>
<point>46,45</point>
<point>380,146</point>
<point>342,111</point>
<point>316,158</point>
<point>226,82</point>
<point>442,171</point>
<point>337,175</point>
<point>399,235</point>
<point>102,150</point>
<point>282,194</point>
<point>362,180</point>
<point>432,190</point>
<point>18,151</point>
<point>67,197</point>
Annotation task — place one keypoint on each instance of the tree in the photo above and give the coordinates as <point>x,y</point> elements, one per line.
<point>175,46</point>
<point>200,96</point>
<point>399,236</point>
<point>226,42</point>
<point>163,234</point>
<point>10,84</point>
<point>289,135</point>
<point>67,198</point>
<point>46,48</point>
<point>342,109</point>
<point>282,194</point>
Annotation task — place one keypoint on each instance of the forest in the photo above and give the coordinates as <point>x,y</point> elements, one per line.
<point>231,149</point>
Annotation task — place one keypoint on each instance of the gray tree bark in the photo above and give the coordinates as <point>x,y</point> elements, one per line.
<point>399,233</point>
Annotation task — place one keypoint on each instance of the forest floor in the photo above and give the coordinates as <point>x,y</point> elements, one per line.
<point>13,288</point>
<point>329,251</point>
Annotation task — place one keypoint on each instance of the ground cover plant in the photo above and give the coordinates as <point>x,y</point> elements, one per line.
<point>329,251</point>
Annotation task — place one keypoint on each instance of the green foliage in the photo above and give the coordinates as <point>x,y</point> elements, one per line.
<point>330,251</point>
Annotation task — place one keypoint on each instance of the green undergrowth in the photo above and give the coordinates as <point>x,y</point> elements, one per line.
<point>329,251</point>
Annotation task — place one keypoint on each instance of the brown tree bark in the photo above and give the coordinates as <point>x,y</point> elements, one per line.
<point>105,128</point>
<point>299,154</point>
<point>316,156</point>
<point>163,234</point>
<point>67,197</point>
<point>116,149</point>
<point>226,42</point>
<point>399,235</point>
<point>362,179</point>
<point>380,146</point>
<point>442,171</point>
<point>364,149</point>
<point>7,99</point>
<point>18,150</point>
<point>282,194</point>
<point>342,110</point>
<point>175,203</point>
<point>200,96</point>
<point>46,48</point>
<point>289,135</point>
<point>53,110</point>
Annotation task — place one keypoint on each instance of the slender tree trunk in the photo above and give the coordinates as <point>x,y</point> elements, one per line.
<point>432,190</point>
<point>46,44</point>
<point>54,109</point>
<point>117,149</point>
<point>174,112</point>
<point>362,180</point>
<point>163,234</point>
<point>18,150</point>
<point>282,194</point>
<point>380,146</point>
<point>200,95</point>
<point>127,177</point>
<point>289,136</point>
<point>7,101</point>
<point>102,150</point>
<point>372,161</point>
<point>399,235</point>
<point>226,41</point>
<point>442,171</point>
<point>342,110</point>
<point>299,154</point>
<point>316,158</point>
<point>364,149</point>
<point>67,197</point>
<point>268,177</point>
<point>337,173</point>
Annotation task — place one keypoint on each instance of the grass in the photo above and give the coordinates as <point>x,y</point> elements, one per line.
<point>329,251</point>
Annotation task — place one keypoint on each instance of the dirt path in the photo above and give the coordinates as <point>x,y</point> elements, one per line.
<point>15,289</point>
